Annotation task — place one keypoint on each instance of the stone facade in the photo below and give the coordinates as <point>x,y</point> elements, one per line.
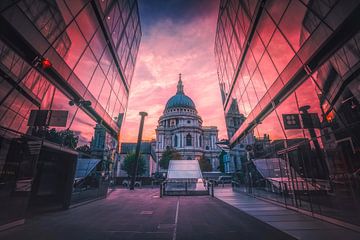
<point>180,127</point>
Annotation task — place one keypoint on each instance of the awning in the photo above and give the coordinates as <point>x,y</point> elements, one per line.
<point>84,166</point>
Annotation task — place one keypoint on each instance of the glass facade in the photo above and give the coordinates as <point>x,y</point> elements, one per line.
<point>90,48</point>
<point>292,67</point>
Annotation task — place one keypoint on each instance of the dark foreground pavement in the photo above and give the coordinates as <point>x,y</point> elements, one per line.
<point>141,214</point>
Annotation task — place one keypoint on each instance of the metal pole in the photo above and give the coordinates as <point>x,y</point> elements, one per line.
<point>137,151</point>
<point>321,166</point>
<point>161,190</point>
<point>212,189</point>
<point>157,157</point>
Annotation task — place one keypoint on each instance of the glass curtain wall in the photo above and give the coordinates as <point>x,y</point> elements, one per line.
<point>293,69</point>
<point>92,48</point>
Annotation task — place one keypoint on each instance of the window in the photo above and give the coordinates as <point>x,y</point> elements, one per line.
<point>175,141</point>
<point>280,51</point>
<point>188,140</point>
<point>85,73</point>
<point>77,46</point>
<point>292,23</point>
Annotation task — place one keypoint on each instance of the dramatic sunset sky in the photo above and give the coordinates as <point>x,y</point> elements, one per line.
<point>178,37</point>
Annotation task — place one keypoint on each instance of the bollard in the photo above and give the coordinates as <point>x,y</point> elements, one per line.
<point>161,193</point>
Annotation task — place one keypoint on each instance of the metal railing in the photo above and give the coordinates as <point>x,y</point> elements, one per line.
<point>186,189</point>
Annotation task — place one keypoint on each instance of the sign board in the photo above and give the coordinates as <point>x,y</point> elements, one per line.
<point>41,118</point>
<point>291,121</point>
<point>310,120</point>
<point>23,185</point>
<point>38,118</point>
<point>58,118</point>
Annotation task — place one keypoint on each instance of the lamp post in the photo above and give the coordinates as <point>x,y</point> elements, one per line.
<point>157,157</point>
<point>321,167</point>
<point>137,151</point>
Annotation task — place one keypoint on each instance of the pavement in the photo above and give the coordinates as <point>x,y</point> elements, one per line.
<point>294,223</point>
<point>141,214</point>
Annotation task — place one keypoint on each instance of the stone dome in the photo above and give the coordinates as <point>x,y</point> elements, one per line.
<point>180,99</point>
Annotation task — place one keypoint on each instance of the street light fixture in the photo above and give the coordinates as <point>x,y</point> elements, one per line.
<point>223,144</point>
<point>80,103</point>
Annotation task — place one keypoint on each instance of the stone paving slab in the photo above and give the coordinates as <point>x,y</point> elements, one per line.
<point>296,224</point>
<point>135,215</point>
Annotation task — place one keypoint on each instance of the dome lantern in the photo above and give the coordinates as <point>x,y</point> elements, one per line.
<point>180,99</point>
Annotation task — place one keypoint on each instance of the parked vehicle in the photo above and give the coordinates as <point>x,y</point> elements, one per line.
<point>126,183</point>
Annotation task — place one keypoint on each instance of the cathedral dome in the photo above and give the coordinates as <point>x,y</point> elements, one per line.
<point>180,99</point>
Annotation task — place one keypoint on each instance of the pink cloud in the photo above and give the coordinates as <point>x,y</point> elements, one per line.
<point>169,49</point>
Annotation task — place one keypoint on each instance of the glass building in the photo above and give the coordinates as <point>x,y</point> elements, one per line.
<point>293,69</point>
<point>65,72</point>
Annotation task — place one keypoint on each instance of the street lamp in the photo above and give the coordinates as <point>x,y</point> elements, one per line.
<point>223,144</point>
<point>321,167</point>
<point>157,156</point>
<point>137,151</point>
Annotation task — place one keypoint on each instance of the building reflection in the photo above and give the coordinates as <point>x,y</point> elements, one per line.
<point>90,50</point>
<point>293,68</point>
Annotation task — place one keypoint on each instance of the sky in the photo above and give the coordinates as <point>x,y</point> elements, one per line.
<point>177,37</point>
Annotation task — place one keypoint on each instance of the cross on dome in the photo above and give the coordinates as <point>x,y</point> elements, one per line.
<point>180,86</point>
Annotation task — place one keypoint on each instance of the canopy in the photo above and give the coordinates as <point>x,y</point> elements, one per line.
<point>84,166</point>
<point>184,169</point>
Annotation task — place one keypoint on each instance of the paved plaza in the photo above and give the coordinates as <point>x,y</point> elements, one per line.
<point>141,214</point>
<point>294,223</point>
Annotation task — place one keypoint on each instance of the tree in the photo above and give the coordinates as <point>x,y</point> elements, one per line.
<point>84,149</point>
<point>205,166</point>
<point>69,138</point>
<point>129,164</point>
<point>169,154</point>
<point>64,137</point>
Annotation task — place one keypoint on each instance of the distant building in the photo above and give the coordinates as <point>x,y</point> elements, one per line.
<point>237,155</point>
<point>180,127</point>
<point>102,144</point>
<point>146,150</point>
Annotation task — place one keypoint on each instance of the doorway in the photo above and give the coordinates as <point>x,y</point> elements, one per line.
<point>53,182</point>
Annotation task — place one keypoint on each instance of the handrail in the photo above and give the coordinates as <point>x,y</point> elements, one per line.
<point>209,187</point>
